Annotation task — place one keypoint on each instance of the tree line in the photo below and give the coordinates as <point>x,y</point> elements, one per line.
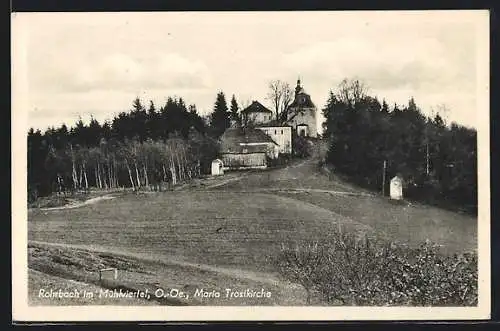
<point>142,147</point>
<point>437,161</point>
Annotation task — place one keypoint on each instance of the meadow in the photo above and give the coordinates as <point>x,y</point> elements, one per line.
<point>219,228</point>
<point>227,230</point>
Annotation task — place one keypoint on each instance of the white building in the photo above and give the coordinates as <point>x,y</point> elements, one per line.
<point>217,167</point>
<point>301,118</point>
<point>259,117</point>
<point>246,148</point>
<point>282,135</point>
<point>255,114</point>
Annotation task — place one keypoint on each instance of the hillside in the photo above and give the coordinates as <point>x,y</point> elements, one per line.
<point>227,230</point>
<point>406,222</point>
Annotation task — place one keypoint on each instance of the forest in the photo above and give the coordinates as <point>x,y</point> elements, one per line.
<point>437,160</point>
<point>144,147</point>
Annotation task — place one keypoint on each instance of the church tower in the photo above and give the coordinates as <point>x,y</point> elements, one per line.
<point>302,113</point>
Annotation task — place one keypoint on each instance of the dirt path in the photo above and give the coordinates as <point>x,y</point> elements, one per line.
<point>292,190</point>
<point>291,293</point>
<point>289,190</point>
<point>236,273</point>
<point>80,204</point>
<point>302,175</point>
<point>227,181</point>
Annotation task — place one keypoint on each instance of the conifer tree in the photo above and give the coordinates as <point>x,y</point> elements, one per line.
<point>235,115</point>
<point>220,118</point>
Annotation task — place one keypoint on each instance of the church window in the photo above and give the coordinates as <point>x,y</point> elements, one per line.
<point>274,131</point>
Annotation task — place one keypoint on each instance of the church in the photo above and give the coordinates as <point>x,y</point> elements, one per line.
<point>262,137</point>
<point>302,114</point>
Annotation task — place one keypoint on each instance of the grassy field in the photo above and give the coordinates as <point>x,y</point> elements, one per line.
<point>224,231</point>
<point>410,223</point>
<point>219,228</point>
<point>400,221</point>
<point>75,267</point>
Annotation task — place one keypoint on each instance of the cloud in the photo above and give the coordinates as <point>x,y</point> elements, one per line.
<point>119,71</point>
<point>100,64</point>
<point>385,63</point>
<point>435,68</point>
<point>127,73</point>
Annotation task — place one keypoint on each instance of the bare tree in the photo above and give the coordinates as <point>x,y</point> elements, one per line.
<point>281,95</point>
<point>245,103</point>
<point>73,164</point>
<point>443,111</point>
<point>351,92</point>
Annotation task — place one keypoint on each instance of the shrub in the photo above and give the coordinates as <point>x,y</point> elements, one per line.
<point>359,270</point>
<point>280,161</point>
<point>302,147</point>
<point>303,265</point>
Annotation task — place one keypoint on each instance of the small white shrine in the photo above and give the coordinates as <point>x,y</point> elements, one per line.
<point>217,167</point>
<point>396,188</point>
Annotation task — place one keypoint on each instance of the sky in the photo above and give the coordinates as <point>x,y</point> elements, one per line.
<point>82,64</point>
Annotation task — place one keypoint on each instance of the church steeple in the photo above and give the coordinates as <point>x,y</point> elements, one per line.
<point>298,87</point>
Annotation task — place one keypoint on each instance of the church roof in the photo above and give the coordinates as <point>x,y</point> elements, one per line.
<point>256,107</point>
<point>232,139</point>
<point>272,123</point>
<point>302,100</point>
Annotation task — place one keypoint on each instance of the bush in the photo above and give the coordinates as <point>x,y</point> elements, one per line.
<point>302,147</point>
<point>280,161</point>
<point>359,270</point>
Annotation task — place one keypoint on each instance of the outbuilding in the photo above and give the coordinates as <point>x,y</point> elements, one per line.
<point>396,188</point>
<point>247,148</point>
<point>217,167</point>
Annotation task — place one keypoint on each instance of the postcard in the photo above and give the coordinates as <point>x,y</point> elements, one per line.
<point>272,166</point>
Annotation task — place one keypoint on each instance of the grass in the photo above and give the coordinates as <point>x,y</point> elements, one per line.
<point>224,228</point>
<point>399,221</point>
<point>233,226</point>
<point>56,266</point>
<point>59,200</point>
<point>243,229</point>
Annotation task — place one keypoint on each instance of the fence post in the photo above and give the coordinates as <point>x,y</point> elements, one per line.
<point>383,178</point>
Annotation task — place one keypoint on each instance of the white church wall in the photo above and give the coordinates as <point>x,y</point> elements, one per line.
<point>308,117</point>
<point>282,135</point>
